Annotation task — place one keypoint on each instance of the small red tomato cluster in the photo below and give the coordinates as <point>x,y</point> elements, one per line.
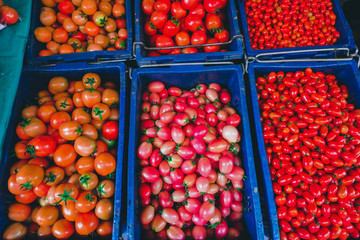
<point>312,138</point>
<point>290,23</point>
<point>190,172</point>
<point>184,23</point>
<point>82,26</point>
<point>63,180</point>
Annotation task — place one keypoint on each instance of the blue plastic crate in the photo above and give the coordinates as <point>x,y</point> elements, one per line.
<point>230,77</point>
<point>346,39</point>
<point>34,79</point>
<point>235,48</point>
<point>346,73</point>
<point>34,46</point>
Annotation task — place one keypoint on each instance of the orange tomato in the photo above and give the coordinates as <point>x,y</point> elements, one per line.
<point>66,49</point>
<point>105,164</point>
<point>64,104</point>
<point>84,146</point>
<point>44,112</point>
<point>64,155</point>
<point>58,118</point>
<point>90,131</point>
<point>91,28</point>
<point>81,116</point>
<point>90,97</point>
<point>70,130</point>
<point>60,35</point>
<point>77,100</point>
<point>46,216</point>
<point>43,34</point>
<point>85,164</point>
<point>89,7</point>
<point>100,111</point>
<point>69,211</point>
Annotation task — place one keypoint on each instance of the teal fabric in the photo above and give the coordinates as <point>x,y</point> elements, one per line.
<point>12,48</point>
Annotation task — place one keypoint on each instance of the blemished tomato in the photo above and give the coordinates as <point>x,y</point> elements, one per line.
<point>86,223</point>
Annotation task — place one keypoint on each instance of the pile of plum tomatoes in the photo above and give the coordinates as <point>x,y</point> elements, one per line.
<point>191,178</point>
<point>63,176</point>
<point>82,26</point>
<point>312,138</point>
<point>183,23</point>
<point>290,23</point>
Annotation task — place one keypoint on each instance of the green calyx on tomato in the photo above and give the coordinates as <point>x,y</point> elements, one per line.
<point>98,112</point>
<point>110,176</point>
<point>66,196</point>
<point>75,45</point>
<point>64,104</point>
<point>114,104</point>
<point>214,225</point>
<point>152,25</point>
<point>90,81</point>
<point>30,149</point>
<point>78,131</point>
<point>90,197</point>
<point>100,190</point>
<point>103,21</point>
<point>84,179</point>
<point>24,122</point>
<point>86,109</point>
<point>50,178</point>
<point>26,186</point>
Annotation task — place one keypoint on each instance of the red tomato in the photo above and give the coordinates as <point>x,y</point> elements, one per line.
<point>110,130</point>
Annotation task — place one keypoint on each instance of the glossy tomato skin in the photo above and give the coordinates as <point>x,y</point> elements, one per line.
<point>110,130</point>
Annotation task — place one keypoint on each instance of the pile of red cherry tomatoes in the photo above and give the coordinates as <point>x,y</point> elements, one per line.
<point>312,138</point>
<point>290,23</point>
